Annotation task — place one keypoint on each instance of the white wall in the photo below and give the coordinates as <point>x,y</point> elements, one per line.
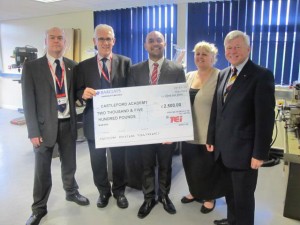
<point>19,33</point>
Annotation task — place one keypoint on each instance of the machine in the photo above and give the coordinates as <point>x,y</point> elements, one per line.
<point>22,54</point>
<point>289,113</point>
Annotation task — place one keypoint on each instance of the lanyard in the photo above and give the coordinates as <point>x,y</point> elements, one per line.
<point>100,67</point>
<point>60,83</point>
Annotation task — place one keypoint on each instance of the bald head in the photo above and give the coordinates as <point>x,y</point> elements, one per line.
<point>155,45</point>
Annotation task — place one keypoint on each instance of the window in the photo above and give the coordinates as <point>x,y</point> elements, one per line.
<point>132,25</point>
<point>273,27</point>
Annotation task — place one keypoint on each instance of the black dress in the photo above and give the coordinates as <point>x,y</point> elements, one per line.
<point>206,178</point>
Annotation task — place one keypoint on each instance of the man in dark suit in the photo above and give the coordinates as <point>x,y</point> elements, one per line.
<point>241,126</point>
<point>105,70</point>
<point>49,108</point>
<point>164,72</point>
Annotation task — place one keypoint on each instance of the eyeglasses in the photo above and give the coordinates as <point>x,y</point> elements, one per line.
<point>108,40</point>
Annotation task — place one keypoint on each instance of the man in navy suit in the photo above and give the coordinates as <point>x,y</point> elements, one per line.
<point>105,70</point>
<point>141,74</point>
<point>51,119</point>
<point>241,126</point>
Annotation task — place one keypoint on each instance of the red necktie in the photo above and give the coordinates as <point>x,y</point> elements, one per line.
<point>154,74</point>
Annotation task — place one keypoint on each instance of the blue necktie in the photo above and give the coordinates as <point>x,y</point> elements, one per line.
<point>60,91</point>
<point>105,84</point>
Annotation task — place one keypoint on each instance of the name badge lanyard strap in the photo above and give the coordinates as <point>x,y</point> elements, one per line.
<point>100,67</point>
<point>60,83</point>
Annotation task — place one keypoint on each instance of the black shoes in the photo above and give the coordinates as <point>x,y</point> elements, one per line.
<point>78,198</point>
<point>221,222</point>
<point>103,200</point>
<point>168,205</point>
<point>206,210</point>
<point>186,200</point>
<point>35,218</point>
<point>146,208</point>
<point>122,201</point>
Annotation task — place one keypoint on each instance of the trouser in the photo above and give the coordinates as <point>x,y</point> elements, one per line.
<point>42,172</point>
<point>99,167</point>
<point>240,200</point>
<point>162,153</point>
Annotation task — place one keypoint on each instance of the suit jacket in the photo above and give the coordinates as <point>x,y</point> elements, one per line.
<point>87,75</point>
<point>241,127</point>
<point>170,72</point>
<point>39,99</point>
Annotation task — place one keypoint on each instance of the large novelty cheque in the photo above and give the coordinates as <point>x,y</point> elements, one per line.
<point>142,115</point>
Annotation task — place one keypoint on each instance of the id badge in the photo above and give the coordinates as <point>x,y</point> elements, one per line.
<point>61,100</point>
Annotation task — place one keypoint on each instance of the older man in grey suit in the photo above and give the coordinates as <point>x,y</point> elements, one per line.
<point>156,70</point>
<point>49,108</point>
<point>105,70</point>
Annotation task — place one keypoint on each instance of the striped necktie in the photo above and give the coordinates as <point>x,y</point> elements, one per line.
<point>154,74</point>
<point>230,81</point>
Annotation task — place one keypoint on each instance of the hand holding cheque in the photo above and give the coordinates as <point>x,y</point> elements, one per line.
<point>88,93</point>
<point>157,114</point>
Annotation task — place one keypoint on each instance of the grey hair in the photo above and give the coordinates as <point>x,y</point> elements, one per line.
<point>104,27</point>
<point>235,34</point>
<point>54,28</point>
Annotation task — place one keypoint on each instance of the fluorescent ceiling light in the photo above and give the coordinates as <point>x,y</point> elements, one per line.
<point>48,1</point>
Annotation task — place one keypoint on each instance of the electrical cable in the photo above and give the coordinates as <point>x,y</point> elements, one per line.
<point>274,155</point>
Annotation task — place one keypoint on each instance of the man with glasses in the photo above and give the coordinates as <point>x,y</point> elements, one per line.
<point>103,71</point>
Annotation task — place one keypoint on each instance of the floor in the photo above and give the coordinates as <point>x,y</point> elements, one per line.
<point>16,180</point>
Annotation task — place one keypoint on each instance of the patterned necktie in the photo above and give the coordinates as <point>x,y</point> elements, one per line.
<point>154,74</point>
<point>105,84</point>
<point>230,81</point>
<point>60,87</point>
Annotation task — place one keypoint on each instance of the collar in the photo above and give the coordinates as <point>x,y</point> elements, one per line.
<point>51,59</point>
<point>241,66</point>
<point>160,62</point>
<point>109,57</point>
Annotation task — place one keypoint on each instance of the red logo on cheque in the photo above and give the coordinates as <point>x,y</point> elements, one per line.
<point>176,119</point>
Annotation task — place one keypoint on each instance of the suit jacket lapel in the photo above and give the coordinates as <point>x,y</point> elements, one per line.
<point>46,70</point>
<point>68,73</point>
<point>163,69</point>
<point>223,84</point>
<point>94,70</point>
<point>114,66</point>
<point>242,77</point>
<point>145,73</point>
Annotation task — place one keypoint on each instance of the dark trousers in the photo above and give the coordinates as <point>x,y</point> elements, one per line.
<point>162,154</point>
<point>240,200</point>
<point>100,173</point>
<point>42,172</point>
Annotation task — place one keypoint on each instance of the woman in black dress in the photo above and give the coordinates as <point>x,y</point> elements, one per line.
<point>203,174</point>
